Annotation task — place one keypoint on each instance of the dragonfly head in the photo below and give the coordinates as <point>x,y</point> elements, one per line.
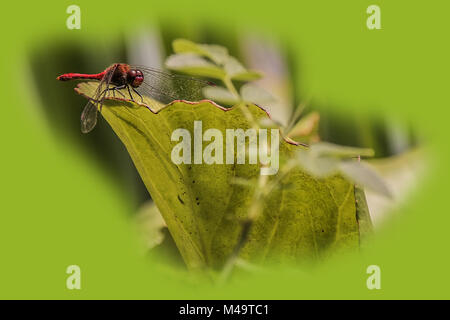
<point>135,77</point>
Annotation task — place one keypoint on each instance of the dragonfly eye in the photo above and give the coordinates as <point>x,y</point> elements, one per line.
<point>138,78</point>
<point>132,74</point>
<point>139,74</point>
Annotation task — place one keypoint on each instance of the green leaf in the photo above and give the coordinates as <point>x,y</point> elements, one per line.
<point>204,209</point>
<point>306,129</point>
<point>232,66</point>
<point>191,54</point>
<point>220,95</point>
<point>255,94</point>
<point>268,123</point>
<point>324,159</point>
<point>194,65</point>
<point>403,174</point>
<point>236,71</point>
<point>333,150</point>
<point>216,53</point>
<point>363,215</point>
<point>247,75</point>
<point>365,176</point>
<point>150,224</point>
<point>317,165</point>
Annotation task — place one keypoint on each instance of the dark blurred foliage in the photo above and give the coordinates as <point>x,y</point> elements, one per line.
<point>63,107</point>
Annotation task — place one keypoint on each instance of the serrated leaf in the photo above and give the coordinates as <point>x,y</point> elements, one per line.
<point>204,210</point>
<point>268,123</point>
<point>194,65</point>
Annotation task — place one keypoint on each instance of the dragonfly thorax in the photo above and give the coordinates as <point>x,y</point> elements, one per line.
<point>124,75</point>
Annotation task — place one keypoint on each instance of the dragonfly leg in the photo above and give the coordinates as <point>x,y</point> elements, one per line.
<point>114,89</point>
<point>131,96</point>
<point>142,99</point>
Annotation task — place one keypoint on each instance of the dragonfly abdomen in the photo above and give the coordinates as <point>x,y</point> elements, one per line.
<point>76,76</point>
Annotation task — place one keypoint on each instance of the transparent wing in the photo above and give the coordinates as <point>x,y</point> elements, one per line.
<point>166,87</point>
<point>89,114</point>
<point>89,117</point>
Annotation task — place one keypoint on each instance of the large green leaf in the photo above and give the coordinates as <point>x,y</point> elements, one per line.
<point>302,218</point>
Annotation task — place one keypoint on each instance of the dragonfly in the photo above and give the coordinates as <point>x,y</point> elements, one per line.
<point>143,81</point>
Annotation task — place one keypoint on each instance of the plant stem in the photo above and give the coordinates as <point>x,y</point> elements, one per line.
<point>230,86</point>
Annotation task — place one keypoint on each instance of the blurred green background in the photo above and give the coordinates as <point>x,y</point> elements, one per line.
<point>68,197</point>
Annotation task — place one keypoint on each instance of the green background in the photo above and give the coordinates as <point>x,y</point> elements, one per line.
<point>59,208</point>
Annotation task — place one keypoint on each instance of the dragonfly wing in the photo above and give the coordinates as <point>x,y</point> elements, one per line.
<point>89,117</point>
<point>163,95</point>
<point>89,114</point>
<point>166,87</point>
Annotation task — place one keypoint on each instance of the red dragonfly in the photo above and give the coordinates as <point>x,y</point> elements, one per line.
<point>143,81</point>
